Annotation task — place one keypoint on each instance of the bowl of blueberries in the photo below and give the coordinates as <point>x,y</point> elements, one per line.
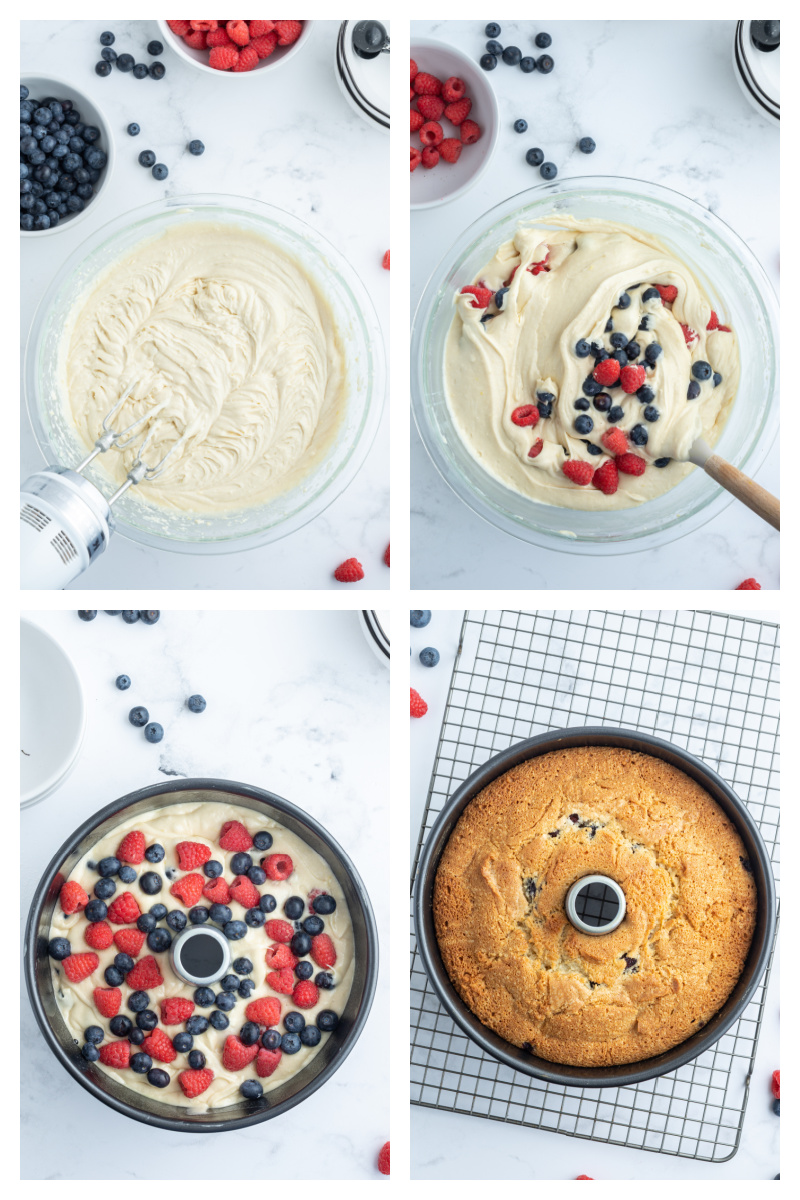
<point>66,154</point>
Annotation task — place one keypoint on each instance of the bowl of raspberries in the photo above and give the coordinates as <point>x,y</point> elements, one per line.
<point>454,123</point>
<point>235,47</point>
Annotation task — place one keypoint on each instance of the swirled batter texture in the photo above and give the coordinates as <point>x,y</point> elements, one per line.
<point>235,362</point>
<point>590,282</point>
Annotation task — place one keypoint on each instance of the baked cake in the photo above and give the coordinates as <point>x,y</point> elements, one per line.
<point>583,999</point>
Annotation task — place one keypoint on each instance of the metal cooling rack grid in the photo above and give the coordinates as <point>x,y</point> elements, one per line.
<point>706,681</point>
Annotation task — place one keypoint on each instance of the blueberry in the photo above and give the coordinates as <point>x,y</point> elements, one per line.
<point>107,39</point>
<point>645,394</point>
<point>157,70</point>
<point>158,1078</point>
<point>545,64</point>
<point>102,67</point>
<point>776,1107</point>
<point>544,402</point>
<point>59,948</point>
<point>255,918</point>
<point>123,682</point>
<point>324,904</point>
<point>652,352</point>
<point>488,62</point>
<point>127,874</point>
<point>717,379</point>
<point>304,969</point>
<point>293,907</point>
<point>141,1063</point>
<point>581,404</point>
<point>154,732</point>
<point>591,387</point>
<point>512,56</point>
<point>602,402</point>
<point>134,130</point>
<point>241,863</point>
<point>197,1060</point>
<point>271,1039</point>
<point>138,716</point>
<point>176,920</point>
<point>621,357</point>
<point>701,370</point>
<point>492,30</point>
<point>662,462</point>
<point>125,62</point>
<point>327,1020</point>
<point>293,1022</point>
<point>548,170</point>
<point>147,158</point>
<point>109,55</point>
<point>310,1035</point>
<point>651,413</point>
<point>582,348</point>
<point>155,48</point>
<point>94,1034</point>
<point>619,341</point>
<point>104,889</point>
<point>249,1033</point>
<point>693,390</point>
<point>113,976</point>
<point>220,914</point>
<point>245,988</point>
<point>90,1052</point>
<point>183,1042</point>
<point>584,424</point>
<point>41,222</point>
<point>136,1037</point>
<point>196,1025</point>
<point>242,966</point>
<point>196,147</point>
<point>159,940</point>
<point>204,997</point>
<point>262,840</point>
<point>196,704</point>
<point>212,868</point>
<point>650,293</point>
<point>591,448</point>
<point>218,1020</point>
<point>420,617</point>
<point>587,145</point>
<point>229,983</point>
<point>150,616</point>
<point>290,1043</point>
<point>151,883</point>
<point>23,92</point>
<point>154,853</point>
<point>527,64</point>
<point>225,1001</point>
<point>267,903</point>
<point>95,910</point>
<point>146,921</point>
<point>639,435</point>
<point>138,1001</point>
<point>615,414</point>
<point>543,40</point>
<point>120,1026</point>
<point>124,962</point>
<point>251,1089</point>
<point>89,614</point>
<point>140,71</point>
<point>324,981</point>
<point>234,930</point>
<point>429,657</point>
<point>520,126</point>
<point>300,944</point>
<point>108,866</point>
<point>534,157</point>
<point>257,876</point>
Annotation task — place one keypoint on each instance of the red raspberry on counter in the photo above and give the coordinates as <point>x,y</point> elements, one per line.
<point>129,941</point>
<point>72,898</point>
<point>193,1083</point>
<point>235,1055</point>
<point>351,570</point>
<point>223,58</point>
<point>175,1010</point>
<point>450,148</point>
<point>99,936</point>
<point>748,585</point>
<point>78,967</point>
<point>116,1054</point>
<point>265,1011</point>
<point>416,158</point>
<point>483,295</point>
<point>159,1047</point>
<point>383,1159</point>
<point>265,45</point>
<point>233,836</point>
<point>418,705</point>
<point>606,372</point>
<point>238,32</point>
<point>431,133</point>
<point>288,32</point>
<point>631,378</point>
<point>416,120</point>
<point>188,890</point>
<point>267,1061</point>
<point>279,930</point>
<point>244,892</point>
<point>667,291</point>
<point>107,1001</point>
<point>525,414</point>
<point>323,951</point>
<point>124,910</point>
<point>278,866</point>
<point>453,89</point>
<point>431,107</point>
<point>470,133</point>
<point>606,478</point>
<point>217,891</point>
<point>305,994</point>
<point>248,58</point>
<point>427,85</point>
<point>278,956</point>
<point>776,1084</point>
<point>386,261</point>
<point>191,855</point>
<point>578,471</point>
<point>430,157</point>
<point>458,111</point>
<point>386,555</point>
<point>536,448</point>
<point>615,441</point>
<point>630,464</point>
<point>132,847</point>
<point>145,975</point>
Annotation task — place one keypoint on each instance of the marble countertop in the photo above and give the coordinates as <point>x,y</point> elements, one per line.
<point>661,100</point>
<point>298,704</point>
<point>292,141</point>
<point>446,1145</point>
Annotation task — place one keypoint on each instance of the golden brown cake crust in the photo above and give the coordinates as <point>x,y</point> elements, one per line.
<point>518,963</point>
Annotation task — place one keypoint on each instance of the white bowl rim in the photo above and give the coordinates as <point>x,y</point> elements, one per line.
<point>59,774</point>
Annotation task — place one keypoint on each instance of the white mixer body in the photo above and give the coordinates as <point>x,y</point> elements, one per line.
<point>65,524</point>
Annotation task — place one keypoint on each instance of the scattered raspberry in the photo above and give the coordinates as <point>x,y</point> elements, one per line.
<point>584,1177</point>
<point>288,32</point>
<point>689,334</point>
<point>196,39</point>
<point>418,705</point>
<point>427,85</point>
<point>414,69</point>
<point>323,951</point>
<point>416,120</point>
<point>667,292</point>
<point>234,836</point>
<point>416,158</point>
<point>630,464</point>
<point>218,37</point>
<point>266,1011</point>
<point>431,107</point>
<point>383,1159</point>
<point>713,321</point>
<point>248,58</point>
<point>536,448</point>
<point>72,898</point>
<point>431,133</point>
<point>578,471</point>
<point>748,585</point>
<point>145,975</point>
<point>278,866</point>
<point>99,936</point>
<point>244,892</point>
<point>526,414</point>
<point>606,372</point>
<point>223,58</point>
<point>259,28</point>
<point>124,910</point>
<point>350,571</point>
<point>116,1054</point>
<point>175,1010</point>
<point>267,1061</point>
<point>305,994</point>
<point>159,1047</point>
<point>204,26</point>
<point>450,148</point>
<point>132,847</point>
<point>264,46</point>
<point>724,329</point>
<point>606,478</point>
<point>217,891</point>
<point>543,264</point>
<point>483,296</point>
<point>188,890</point>
<point>129,941</point>
<point>238,32</point>
<point>776,1082</point>
<point>278,956</point>
<point>470,132</point>
<point>191,855</point>
<point>631,378</point>
<point>107,1001</point>
<point>78,967</point>
<point>430,157</point>
<point>281,981</point>
<point>386,555</point>
<point>453,89</point>
<point>180,27</point>
<point>458,111</point>
<point>615,441</point>
<point>195,1082</point>
<point>279,931</point>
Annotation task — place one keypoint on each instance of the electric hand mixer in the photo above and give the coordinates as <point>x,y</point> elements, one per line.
<point>66,522</point>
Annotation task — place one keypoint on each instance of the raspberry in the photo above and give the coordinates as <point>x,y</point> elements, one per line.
<point>238,32</point>
<point>606,372</point>
<point>205,26</point>
<point>543,264</point>
<point>234,836</point>
<point>458,111</point>
<point>196,39</point>
<point>116,1054</point>
<point>578,471</point>
<point>218,37</point>
<point>175,1010</point>
<point>99,936</point>
<point>350,571</point>
<point>278,866</point>
<point>72,898</point>
<point>305,994</point>
<point>259,28</point>
<point>288,32</point>
<point>431,133</point>
<point>385,263</point>
<point>453,89</point>
<point>414,69</point>
<point>107,1001</point>
<point>427,85</point>
<point>526,414</point>
<point>132,847</point>
<point>470,132</point>
<point>124,910</point>
<point>78,967</point>
<point>748,585</point>
<point>191,855</point>
<point>606,478</point>
<point>584,1177</point>
<point>418,705</point>
<point>145,975</point>
<point>431,107</point>
<point>266,1011</point>
<point>615,441</point>
<point>281,981</point>
<point>416,158</point>
<point>279,956</point>
<point>217,891</point>
<point>188,890</point>
<point>689,334</point>
<point>248,58</point>
<point>713,321</point>
<point>129,941</point>
<point>430,157</point>
<point>267,1061</point>
<point>776,1075</point>
<point>630,464</point>
<point>667,291</point>
<point>323,951</point>
<point>265,45</point>
<point>386,555</point>
<point>279,931</point>
<point>724,329</point>
<point>244,892</point>
<point>180,27</point>
<point>383,1159</point>
<point>536,448</point>
<point>159,1047</point>
<point>416,120</point>
<point>631,378</point>
<point>223,58</point>
<point>483,296</point>
<point>195,1082</point>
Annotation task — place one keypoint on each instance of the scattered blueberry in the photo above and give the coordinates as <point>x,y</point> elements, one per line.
<point>619,341</point>
<point>229,983</point>
<point>109,55</point>
<point>582,348</point>
<point>138,716</point>
<point>271,1039</point>
<point>147,158</point>
<point>584,424</point>
<point>701,370</point>
<point>717,379</point>
<point>90,1052</point>
<point>512,55</point>
<point>420,617</point>
<point>104,889</point>
<point>198,915</point>
<point>310,1035</point>
<point>225,1001</point>
<point>633,350</point>
<point>141,1063</point>
<point>155,48</point>
<point>176,920</point>
<point>652,352</point>
<point>548,170</point>
<point>150,616</point>
<point>650,293</point>
<point>234,930</point>
<point>127,874</point>
<point>242,966</point>
<point>324,904</point>
<point>249,1033</point>
<point>693,390</point>
<point>218,1020</point>
<point>300,944</point>
<point>429,657</point>
<point>120,1025</point>
<point>293,907</point>
<point>220,914</point>
<point>616,413</point>
<point>245,988</point>
<point>95,911</point>
<point>534,157</point>
<point>196,1025</point>
<point>268,903</point>
<point>108,866</point>
<point>183,1042</point>
<point>136,1037</point>
<point>544,402</point>
<point>662,462</point>
<point>543,40</point>
<point>527,64</point>
<point>609,325</point>
<point>520,126</point>
<point>545,64</point>
<point>113,976</point>
<point>651,413</point>
<point>488,62</point>
<point>159,940</point>
<point>602,402</point>
<point>196,147</point>
<point>125,62</point>
<point>304,969</point>
<point>151,884</point>
<point>196,704</point>
<point>327,1020</point>
<point>146,922</point>
<point>587,145</point>
<point>138,1001</point>
<point>776,1107</point>
<point>154,732</point>
<point>324,980</point>
<point>493,30</point>
<point>87,614</point>
<point>262,840</point>
<point>591,387</point>
<point>107,38</point>
<point>59,948</point>
<point>639,435</point>
<point>212,869</point>
<point>133,129</point>
<point>140,71</point>
<point>241,863</point>
<point>293,1022</point>
<point>254,917</point>
<point>146,1020</point>
<point>645,394</point>
<point>197,1060</point>
<point>158,1078</point>
<point>251,1089</point>
<point>154,853</point>
<point>591,448</point>
<point>290,1043</point>
<point>257,876</point>
<point>94,1034</point>
<point>124,962</point>
<point>159,170</point>
<point>102,67</point>
<point>204,997</point>
<point>582,404</point>
<point>159,911</point>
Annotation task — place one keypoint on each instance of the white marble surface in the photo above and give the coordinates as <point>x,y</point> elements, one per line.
<point>458,1146</point>
<point>290,140</point>
<point>686,125</point>
<point>298,704</point>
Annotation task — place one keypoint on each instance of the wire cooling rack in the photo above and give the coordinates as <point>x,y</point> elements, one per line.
<point>703,680</point>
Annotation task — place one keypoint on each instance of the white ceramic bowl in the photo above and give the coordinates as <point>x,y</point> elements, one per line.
<point>199,58</point>
<point>52,714</point>
<point>40,86</point>
<point>446,181</point>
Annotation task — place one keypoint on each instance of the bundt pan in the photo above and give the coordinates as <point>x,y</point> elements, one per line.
<point>629,1073</point>
<point>154,1112</point>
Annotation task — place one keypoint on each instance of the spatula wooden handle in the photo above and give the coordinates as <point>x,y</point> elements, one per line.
<point>745,489</point>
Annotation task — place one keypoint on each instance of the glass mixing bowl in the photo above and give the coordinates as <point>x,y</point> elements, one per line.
<point>735,283</point>
<point>356,323</point>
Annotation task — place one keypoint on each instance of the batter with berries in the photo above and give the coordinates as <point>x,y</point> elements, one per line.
<point>256,886</point>
<point>584,362</point>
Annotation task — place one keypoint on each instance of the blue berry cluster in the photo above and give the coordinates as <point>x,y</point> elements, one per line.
<point>126,62</point>
<point>420,617</point>
<point>512,56</point>
<point>60,161</point>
